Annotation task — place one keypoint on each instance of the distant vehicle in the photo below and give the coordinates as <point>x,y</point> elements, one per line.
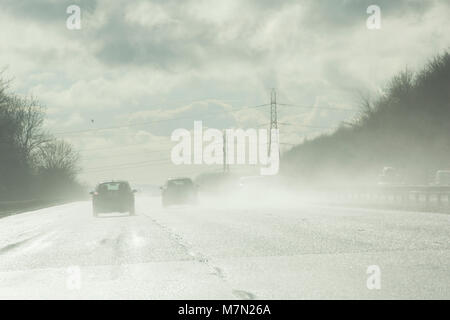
<point>389,177</point>
<point>179,191</point>
<point>113,196</point>
<point>442,178</point>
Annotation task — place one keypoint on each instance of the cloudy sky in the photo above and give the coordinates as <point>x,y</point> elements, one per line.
<point>137,70</point>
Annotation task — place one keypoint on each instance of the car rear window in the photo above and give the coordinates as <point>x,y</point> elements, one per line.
<point>106,187</point>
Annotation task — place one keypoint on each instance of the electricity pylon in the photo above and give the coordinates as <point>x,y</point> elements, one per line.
<point>273,118</point>
<point>226,167</point>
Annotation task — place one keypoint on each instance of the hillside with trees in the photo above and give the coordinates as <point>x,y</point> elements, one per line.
<point>33,163</point>
<point>407,127</point>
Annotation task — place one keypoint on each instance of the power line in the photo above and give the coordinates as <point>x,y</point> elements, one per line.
<point>307,125</point>
<point>123,146</point>
<point>289,144</point>
<point>146,165</point>
<point>206,115</point>
<point>316,107</point>
<point>170,142</point>
<point>124,154</point>
<point>155,122</point>
<point>121,165</point>
<point>299,125</point>
<point>156,161</point>
<point>273,125</point>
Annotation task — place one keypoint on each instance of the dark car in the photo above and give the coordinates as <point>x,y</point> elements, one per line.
<point>179,191</point>
<point>114,196</point>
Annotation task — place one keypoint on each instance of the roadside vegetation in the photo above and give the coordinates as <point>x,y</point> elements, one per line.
<point>407,127</point>
<point>33,163</point>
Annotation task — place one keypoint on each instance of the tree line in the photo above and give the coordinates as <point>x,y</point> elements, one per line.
<point>33,163</point>
<point>406,127</point>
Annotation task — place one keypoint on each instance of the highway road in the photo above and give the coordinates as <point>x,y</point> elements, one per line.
<point>222,250</point>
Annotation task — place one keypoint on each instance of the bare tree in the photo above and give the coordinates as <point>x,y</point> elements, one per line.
<point>58,157</point>
<point>32,162</point>
<point>29,116</point>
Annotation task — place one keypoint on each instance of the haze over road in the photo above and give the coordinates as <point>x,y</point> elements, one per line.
<point>223,252</point>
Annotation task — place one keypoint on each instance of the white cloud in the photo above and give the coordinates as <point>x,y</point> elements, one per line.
<point>144,61</point>
<point>147,14</point>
